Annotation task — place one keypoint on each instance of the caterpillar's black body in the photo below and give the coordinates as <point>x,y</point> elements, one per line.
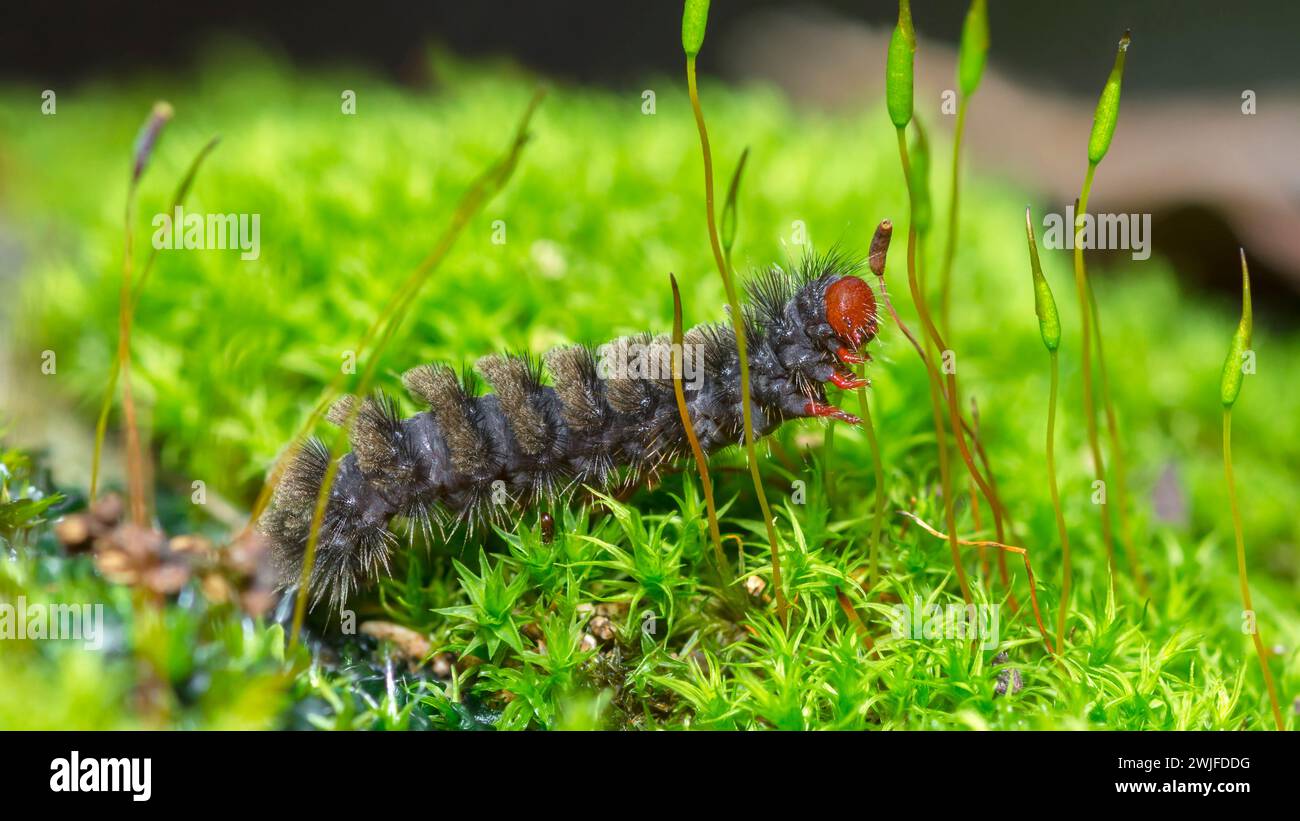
<point>528,441</point>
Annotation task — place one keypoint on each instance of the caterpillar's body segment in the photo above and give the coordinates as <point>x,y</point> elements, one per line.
<point>606,414</point>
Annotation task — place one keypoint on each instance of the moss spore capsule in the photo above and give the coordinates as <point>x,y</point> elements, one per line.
<point>1230,383</point>
<point>1103,122</point>
<point>899,69</point>
<point>695,17</point>
<point>1049,321</point>
<point>974,48</point>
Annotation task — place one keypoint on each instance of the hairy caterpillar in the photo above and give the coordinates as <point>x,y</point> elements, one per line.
<point>607,415</point>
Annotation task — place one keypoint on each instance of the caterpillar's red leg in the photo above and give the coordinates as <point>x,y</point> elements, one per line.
<point>814,408</point>
<point>851,358</point>
<point>849,382</point>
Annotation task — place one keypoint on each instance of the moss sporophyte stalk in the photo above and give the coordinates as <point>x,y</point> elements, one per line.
<point>145,143</point>
<point>1105,119</point>
<point>701,459</point>
<point>898,83</point>
<point>1234,369</point>
<point>899,72</point>
<point>148,139</point>
<point>1049,328</point>
<point>876,257</point>
<point>971,57</point>
<point>694,20</point>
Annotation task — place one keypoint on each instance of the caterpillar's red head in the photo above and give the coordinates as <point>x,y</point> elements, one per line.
<point>851,310</point>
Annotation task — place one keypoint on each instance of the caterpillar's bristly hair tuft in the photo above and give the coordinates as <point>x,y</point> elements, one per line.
<point>420,383</point>
<point>836,261</point>
<point>517,384</point>
<point>451,405</point>
<point>305,472</point>
<point>379,443</point>
<point>288,519</point>
<point>340,410</point>
<point>628,364</point>
<point>769,292</point>
<point>718,342</point>
<point>471,384</point>
<point>578,386</point>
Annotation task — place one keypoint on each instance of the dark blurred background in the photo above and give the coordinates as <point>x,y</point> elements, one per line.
<point>1211,176</point>
<point>1185,43</point>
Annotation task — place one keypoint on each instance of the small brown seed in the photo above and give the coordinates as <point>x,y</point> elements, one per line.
<point>116,565</point>
<point>73,532</point>
<point>108,509</point>
<point>602,628</point>
<point>215,588</point>
<point>190,544</point>
<point>166,579</point>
